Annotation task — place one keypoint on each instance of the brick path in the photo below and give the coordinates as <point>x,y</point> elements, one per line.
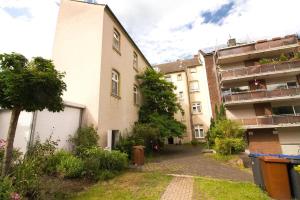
<point>180,188</point>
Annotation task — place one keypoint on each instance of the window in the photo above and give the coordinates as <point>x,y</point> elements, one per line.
<point>180,95</point>
<point>116,40</point>
<point>291,84</point>
<point>135,95</point>
<point>135,61</point>
<point>199,132</point>
<point>196,107</point>
<point>193,70</point>
<point>179,77</point>
<point>115,81</point>
<point>283,110</point>
<point>297,110</point>
<point>168,78</point>
<point>194,86</point>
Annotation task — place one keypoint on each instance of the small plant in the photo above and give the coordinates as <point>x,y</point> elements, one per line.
<point>297,168</point>
<point>297,55</point>
<point>265,61</point>
<point>283,57</point>
<point>6,188</point>
<point>126,144</point>
<point>194,142</point>
<point>84,138</point>
<point>228,146</point>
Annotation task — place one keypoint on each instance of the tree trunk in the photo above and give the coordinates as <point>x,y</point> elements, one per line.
<point>10,141</point>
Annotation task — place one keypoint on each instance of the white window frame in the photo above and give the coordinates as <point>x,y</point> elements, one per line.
<point>135,95</point>
<point>115,79</point>
<point>117,40</point>
<point>179,77</point>
<point>193,70</point>
<point>192,85</point>
<point>135,60</point>
<point>196,107</point>
<point>199,132</point>
<point>168,78</point>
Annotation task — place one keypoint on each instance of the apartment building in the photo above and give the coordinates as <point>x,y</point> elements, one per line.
<point>189,77</point>
<point>259,85</point>
<point>101,62</point>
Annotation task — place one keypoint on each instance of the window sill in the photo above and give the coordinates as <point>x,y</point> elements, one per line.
<point>115,96</point>
<point>194,91</point>
<point>197,113</point>
<point>117,50</point>
<point>199,138</point>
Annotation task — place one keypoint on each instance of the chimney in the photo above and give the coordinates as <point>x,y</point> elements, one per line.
<point>231,42</point>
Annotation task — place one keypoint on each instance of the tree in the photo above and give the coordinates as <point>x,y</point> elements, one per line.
<point>159,104</point>
<point>28,86</point>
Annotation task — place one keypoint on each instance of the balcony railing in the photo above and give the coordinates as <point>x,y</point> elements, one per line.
<point>270,120</point>
<point>261,94</point>
<point>252,48</point>
<point>259,69</point>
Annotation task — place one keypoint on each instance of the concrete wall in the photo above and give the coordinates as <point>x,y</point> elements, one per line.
<point>117,113</point>
<point>77,50</point>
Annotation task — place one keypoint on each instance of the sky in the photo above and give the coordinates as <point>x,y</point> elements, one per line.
<point>164,30</point>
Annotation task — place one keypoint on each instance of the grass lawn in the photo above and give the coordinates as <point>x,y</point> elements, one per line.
<point>213,189</point>
<point>130,185</point>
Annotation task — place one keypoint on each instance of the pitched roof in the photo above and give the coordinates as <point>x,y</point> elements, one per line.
<point>178,65</point>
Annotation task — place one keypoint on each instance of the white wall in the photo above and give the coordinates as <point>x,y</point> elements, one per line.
<point>289,139</point>
<point>23,129</point>
<point>60,125</point>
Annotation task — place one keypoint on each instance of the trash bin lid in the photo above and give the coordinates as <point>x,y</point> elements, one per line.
<point>139,147</point>
<point>274,159</point>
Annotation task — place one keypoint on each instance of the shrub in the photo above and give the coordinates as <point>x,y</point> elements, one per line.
<point>64,164</point>
<point>227,146</point>
<point>194,142</point>
<point>26,179</point>
<point>84,138</point>
<point>125,145</point>
<point>99,163</point>
<point>265,61</point>
<point>6,188</point>
<point>297,55</point>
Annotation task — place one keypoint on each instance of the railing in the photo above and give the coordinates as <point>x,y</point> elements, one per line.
<point>270,120</point>
<point>259,69</point>
<point>258,46</point>
<point>260,94</point>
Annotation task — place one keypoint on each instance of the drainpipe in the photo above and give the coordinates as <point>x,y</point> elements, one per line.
<point>33,124</point>
<point>189,98</point>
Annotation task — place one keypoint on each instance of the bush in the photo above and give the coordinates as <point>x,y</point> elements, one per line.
<point>265,61</point>
<point>84,138</point>
<point>227,146</point>
<point>26,179</point>
<point>6,188</point>
<point>282,57</point>
<point>64,164</point>
<point>125,145</point>
<point>102,164</point>
<point>194,142</point>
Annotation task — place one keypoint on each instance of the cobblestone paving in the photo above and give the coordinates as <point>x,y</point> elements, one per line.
<point>180,188</point>
<point>188,160</point>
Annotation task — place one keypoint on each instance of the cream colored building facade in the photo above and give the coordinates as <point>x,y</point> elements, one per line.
<point>101,62</point>
<point>189,77</point>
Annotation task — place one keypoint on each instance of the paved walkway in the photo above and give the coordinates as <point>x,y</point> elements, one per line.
<point>180,188</point>
<point>188,160</point>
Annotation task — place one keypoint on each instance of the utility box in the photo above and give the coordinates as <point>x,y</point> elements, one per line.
<point>138,155</point>
<point>276,177</point>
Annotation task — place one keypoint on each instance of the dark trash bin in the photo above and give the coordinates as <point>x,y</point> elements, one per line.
<point>276,177</point>
<point>295,182</point>
<point>256,170</point>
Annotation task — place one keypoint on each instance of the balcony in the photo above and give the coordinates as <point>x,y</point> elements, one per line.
<point>256,50</point>
<point>258,96</point>
<point>273,121</point>
<point>287,68</point>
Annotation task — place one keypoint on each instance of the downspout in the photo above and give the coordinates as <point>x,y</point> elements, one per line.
<point>189,98</point>
<point>33,124</point>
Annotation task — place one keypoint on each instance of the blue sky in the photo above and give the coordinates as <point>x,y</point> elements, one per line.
<point>164,30</point>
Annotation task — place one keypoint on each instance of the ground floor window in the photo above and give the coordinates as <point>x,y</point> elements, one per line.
<point>199,132</point>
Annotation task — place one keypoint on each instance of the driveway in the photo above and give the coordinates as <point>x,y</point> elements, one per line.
<point>188,160</point>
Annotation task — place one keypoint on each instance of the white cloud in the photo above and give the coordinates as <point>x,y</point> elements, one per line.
<point>157,26</point>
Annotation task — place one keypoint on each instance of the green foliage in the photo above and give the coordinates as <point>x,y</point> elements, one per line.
<point>84,138</point>
<point>125,144</point>
<point>226,128</point>
<point>297,168</point>
<point>26,179</point>
<point>30,86</point>
<point>16,157</point>
<point>194,142</point>
<point>6,188</point>
<point>283,57</point>
<point>64,164</point>
<point>297,55</point>
<point>228,146</point>
<point>101,164</point>
<point>159,104</point>
<point>265,61</point>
